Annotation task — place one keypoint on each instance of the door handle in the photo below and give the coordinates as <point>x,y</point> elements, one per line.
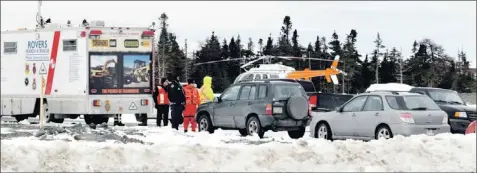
<point>249,103</point>
<point>376,114</point>
<point>231,104</point>
<point>354,115</point>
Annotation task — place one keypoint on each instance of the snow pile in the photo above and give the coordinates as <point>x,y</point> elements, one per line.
<point>389,87</point>
<point>201,152</point>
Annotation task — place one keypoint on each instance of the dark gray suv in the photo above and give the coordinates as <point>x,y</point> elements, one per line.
<point>257,106</point>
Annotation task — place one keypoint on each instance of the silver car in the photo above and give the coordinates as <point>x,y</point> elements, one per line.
<point>381,115</point>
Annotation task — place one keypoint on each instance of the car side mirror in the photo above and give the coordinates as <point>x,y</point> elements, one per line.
<point>217,99</point>
<point>338,109</point>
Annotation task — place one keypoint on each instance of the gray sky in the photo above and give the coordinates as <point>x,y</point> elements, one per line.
<point>450,24</point>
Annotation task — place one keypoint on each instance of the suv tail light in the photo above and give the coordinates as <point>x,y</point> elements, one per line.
<point>313,101</point>
<point>268,109</point>
<point>406,117</point>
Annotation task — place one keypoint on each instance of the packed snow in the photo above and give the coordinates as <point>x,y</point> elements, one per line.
<point>166,150</point>
<point>389,87</point>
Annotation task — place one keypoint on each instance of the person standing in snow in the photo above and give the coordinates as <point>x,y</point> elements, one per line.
<point>192,101</point>
<point>161,99</point>
<point>206,93</point>
<point>176,99</point>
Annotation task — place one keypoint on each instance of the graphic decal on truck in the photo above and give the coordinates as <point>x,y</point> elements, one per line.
<point>103,71</point>
<point>119,73</point>
<point>136,71</point>
<point>51,69</point>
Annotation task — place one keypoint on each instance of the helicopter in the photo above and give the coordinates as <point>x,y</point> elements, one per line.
<point>280,71</point>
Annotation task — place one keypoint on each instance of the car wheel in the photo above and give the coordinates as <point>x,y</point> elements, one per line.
<point>243,132</point>
<point>205,124</point>
<point>323,131</point>
<point>254,127</point>
<point>296,134</point>
<point>383,132</point>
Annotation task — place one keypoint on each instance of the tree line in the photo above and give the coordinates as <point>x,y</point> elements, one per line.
<point>428,65</point>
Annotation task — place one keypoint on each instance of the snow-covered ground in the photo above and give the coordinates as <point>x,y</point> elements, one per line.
<point>166,150</point>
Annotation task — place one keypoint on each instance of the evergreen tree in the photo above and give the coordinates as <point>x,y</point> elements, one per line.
<point>269,47</point>
<point>260,49</point>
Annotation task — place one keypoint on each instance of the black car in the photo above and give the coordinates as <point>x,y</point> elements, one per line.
<point>255,107</point>
<point>460,114</point>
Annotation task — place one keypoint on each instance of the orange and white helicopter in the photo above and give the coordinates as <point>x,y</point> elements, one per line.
<point>279,71</point>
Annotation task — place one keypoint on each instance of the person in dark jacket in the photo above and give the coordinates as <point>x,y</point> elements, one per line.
<point>176,99</point>
<point>161,101</point>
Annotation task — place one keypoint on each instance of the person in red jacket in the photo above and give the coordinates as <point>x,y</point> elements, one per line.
<point>192,101</point>
<point>161,99</point>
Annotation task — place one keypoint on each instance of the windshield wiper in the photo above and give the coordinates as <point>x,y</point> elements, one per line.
<point>419,108</point>
<point>441,101</point>
<point>456,102</point>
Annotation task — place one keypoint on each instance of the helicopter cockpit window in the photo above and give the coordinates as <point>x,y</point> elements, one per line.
<point>274,76</point>
<point>264,76</point>
<point>257,77</point>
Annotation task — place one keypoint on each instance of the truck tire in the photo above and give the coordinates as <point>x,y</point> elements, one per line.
<point>297,107</point>
<point>96,119</point>
<point>21,117</point>
<point>254,126</point>
<point>296,134</point>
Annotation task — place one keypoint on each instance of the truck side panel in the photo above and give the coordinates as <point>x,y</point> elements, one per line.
<point>21,70</point>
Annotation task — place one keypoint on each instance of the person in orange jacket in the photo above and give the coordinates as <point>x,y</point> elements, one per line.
<point>192,101</point>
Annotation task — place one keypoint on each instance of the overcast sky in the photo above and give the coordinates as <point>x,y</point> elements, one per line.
<point>450,24</point>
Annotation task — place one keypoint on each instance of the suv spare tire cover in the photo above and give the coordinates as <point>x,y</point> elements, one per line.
<point>297,107</point>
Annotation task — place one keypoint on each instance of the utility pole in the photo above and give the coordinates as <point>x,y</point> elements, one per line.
<point>400,65</point>
<point>186,61</point>
<point>343,77</point>
<point>377,65</point>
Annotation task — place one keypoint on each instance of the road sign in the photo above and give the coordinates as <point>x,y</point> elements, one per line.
<point>42,69</point>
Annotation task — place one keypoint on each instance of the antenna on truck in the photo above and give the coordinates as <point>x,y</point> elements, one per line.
<point>39,18</point>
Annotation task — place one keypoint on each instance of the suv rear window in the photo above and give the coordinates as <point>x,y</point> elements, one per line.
<point>284,91</point>
<point>307,86</point>
<point>411,102</point>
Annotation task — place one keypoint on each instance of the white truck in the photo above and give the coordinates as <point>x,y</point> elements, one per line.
<point>89,70</point>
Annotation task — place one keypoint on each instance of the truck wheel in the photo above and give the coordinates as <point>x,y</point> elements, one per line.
<point>205,124</point>
<point>296,134</point>
<point>254,127</point>
<point>59,120</point>
<point>243,132</point>
<point>88,119</point>
<point>20,117</point>
<point>48,117</point>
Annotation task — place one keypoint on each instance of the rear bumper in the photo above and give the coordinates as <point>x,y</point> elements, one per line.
<point>271,123</point>
<point>121,105</point>
<point>405,129</point>
<point>459,125</point>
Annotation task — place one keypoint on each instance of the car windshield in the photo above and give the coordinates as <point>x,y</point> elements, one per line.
<point>445,96</point>
<point>411,102</point>
<point>284,91</point>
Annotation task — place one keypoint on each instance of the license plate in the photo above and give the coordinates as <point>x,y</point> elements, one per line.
<point>430,132</point>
